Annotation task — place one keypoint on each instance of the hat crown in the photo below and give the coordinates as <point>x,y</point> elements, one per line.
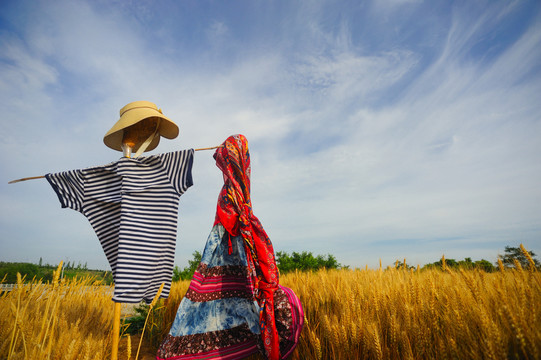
<point>138,105</point>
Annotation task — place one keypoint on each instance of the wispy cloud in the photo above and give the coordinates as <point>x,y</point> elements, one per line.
<point>377,129</point>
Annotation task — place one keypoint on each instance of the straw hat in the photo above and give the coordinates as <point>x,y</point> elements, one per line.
<point>133,113</point>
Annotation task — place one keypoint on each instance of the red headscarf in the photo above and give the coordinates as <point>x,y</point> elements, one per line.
<point>234,212</point>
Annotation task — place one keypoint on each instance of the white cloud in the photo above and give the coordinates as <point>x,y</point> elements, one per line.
<point>217,30</point>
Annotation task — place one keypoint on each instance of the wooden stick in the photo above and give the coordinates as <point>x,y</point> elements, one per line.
<point>154,301</point>
<point>209,148</point>
<point>43,176</point>
<point>116,331</point>
<point>27,178</point>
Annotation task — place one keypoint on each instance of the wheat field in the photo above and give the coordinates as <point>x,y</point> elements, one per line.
<point>398,314</point>
<point>61,320</point>
<point>349,314</point>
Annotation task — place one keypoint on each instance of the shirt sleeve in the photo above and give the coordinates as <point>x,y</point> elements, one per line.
<point>69,187</point>
<point>178,165</point>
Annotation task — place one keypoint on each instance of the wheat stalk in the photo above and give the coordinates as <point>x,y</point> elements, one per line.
<point>500,265</point>
<point>156,297</point>
<point>377,343</point>
<point>129,347</point>
<point>529,257</point>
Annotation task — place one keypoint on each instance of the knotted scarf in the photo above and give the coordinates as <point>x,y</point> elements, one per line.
<point>234,212</point>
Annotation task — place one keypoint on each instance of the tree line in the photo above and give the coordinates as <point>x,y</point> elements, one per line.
<point>513,257</point>
<point>9,270</point>
<point>296,261</point>
<point>306,261</point>
<point>303,261</point>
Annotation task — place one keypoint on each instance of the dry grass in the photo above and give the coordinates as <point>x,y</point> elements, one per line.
<point>350,314</point>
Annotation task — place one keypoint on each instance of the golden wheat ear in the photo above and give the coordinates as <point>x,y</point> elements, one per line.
<point>529,257</point>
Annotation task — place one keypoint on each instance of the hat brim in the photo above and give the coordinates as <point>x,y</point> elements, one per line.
<point>167,127</point>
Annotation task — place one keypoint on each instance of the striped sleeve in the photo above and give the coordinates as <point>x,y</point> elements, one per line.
<point>69,187</point>
<point>178,165</point>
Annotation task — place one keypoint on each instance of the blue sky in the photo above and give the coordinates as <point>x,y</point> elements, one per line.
<point>378,129</point>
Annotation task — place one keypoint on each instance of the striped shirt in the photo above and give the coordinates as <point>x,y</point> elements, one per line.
<point>132,205</point>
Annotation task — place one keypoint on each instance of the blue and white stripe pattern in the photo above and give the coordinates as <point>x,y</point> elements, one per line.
<point>132,205</point>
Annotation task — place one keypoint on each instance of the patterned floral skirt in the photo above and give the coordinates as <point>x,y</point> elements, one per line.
<point>218,318</point>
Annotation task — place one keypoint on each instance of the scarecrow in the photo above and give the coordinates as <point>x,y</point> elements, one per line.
<point>132,204</point>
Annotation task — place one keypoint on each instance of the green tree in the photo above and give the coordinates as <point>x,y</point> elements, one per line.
<point>187,272</point>
<point>304,261</point>
<point>400,265</point>
<point>484,265</point>
<point>450,263</point>
<point>467,263</point>
<point>515,253</point>
<point>27,270</point>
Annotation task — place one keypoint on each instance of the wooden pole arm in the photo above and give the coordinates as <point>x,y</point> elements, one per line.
<point>209,148</point>
<point>42,176</point>
<point>26,178</point>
